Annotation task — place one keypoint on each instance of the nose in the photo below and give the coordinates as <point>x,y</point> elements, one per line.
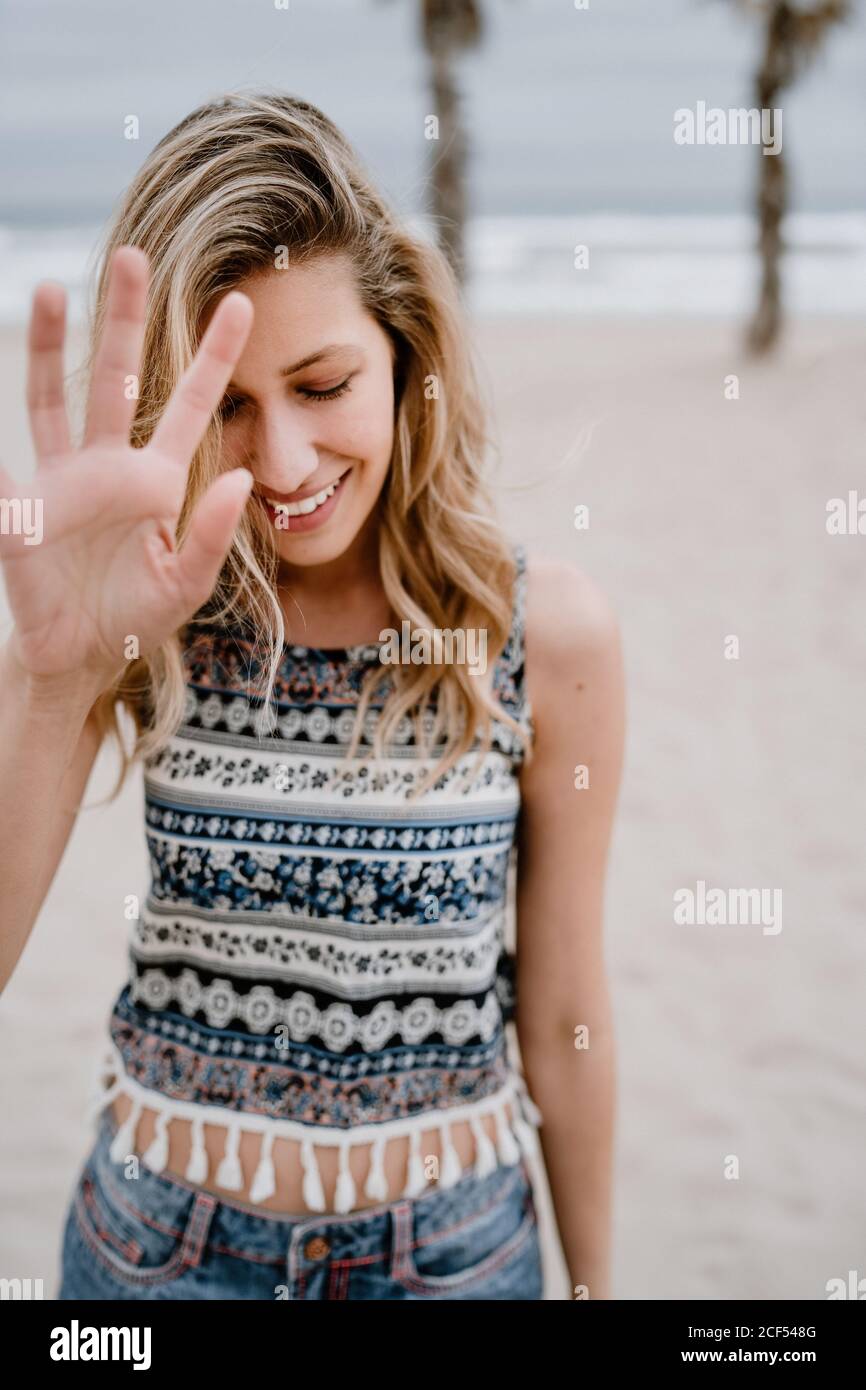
<point>285,452</point>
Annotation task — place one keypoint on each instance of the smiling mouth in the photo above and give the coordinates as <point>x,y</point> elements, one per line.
<point>307,505</point>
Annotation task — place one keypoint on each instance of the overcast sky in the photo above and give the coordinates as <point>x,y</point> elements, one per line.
<point>566,110</point>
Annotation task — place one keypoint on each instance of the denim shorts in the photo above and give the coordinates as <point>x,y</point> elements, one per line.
<point>156,1236</point>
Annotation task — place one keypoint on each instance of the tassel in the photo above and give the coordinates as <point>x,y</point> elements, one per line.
<point>313,1192</point>
<point>530,1109</point>
<point>450,1171</point>
<point>377,1184</point>
<point>230,1174</point>
<point>123,1143</point>
<point>526,1135</point>
<point>344,1196</point>
<point>264,1182</point>
<point>156,1156</point>
<point>196,1168</point>
<point>509,1151</point>
<point>485,1153</point>
<point>415,1181</point>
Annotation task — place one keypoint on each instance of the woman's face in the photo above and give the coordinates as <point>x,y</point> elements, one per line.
<point>310,408</point>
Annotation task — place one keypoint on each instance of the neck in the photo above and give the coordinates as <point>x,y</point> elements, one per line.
<point>340,602</point>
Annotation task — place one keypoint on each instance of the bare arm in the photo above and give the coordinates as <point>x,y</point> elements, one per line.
<point>47,751</point>
<point>575,684</point>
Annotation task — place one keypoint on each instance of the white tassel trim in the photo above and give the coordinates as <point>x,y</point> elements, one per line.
<point>156,1154</point>
<point>485,1153</point>
<point>450,1171</point>
<point>123,1143</point>
<point>264,1183</point>
<point>527,1120</point>
<point>511,1138</point>
<point>526,1136</point>
<point>530,1109</point>
<point>344,1194</point>
<point>230,1174</point>
<point>376,1185</point>
<point>197,1167</point>
<point>314,1193</point>
<point>415,1178</point>
<point>509,1150</point>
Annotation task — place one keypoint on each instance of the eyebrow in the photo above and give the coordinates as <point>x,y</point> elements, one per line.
<point>315,357</point>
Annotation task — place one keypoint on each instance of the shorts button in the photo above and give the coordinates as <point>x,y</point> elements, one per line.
<point>316,1248</point>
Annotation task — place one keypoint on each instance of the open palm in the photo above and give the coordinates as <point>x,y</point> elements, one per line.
<point>106,568</point>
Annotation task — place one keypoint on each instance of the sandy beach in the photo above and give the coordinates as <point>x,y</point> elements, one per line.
<point>707,520</point>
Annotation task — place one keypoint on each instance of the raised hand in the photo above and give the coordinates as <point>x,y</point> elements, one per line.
<point>106,567</point>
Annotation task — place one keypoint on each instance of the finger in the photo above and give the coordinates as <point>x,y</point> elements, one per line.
<point>114,383</point>
<point>46,401</point>
<point>212,526</point>
<point>200,389</point>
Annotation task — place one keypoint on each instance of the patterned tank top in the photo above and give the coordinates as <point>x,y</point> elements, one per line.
<point>317,957</point>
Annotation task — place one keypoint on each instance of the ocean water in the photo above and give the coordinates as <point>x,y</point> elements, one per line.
<point>569,115</point>
<point>640,264</point>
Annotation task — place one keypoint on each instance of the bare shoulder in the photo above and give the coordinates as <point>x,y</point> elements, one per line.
<point>571,623</point>
<point>576,687</point>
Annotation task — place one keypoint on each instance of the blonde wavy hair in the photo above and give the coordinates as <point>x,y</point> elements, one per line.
<point>236,182</point>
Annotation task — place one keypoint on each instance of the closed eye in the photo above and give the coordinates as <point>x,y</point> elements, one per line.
<point>309,394</point>
<point>231,406</point>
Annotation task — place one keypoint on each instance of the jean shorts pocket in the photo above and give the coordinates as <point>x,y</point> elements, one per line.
<point>141,1241</point>
<point>472,1246</point>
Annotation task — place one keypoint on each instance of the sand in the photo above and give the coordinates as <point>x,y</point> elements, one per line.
<point>707,519</point>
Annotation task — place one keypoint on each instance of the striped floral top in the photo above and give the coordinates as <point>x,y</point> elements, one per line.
<point>317,957</point>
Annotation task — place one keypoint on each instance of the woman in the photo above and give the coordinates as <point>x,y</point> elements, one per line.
<point>275,550</point>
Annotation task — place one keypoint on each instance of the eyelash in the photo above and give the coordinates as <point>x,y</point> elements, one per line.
<point>331,395</point>
<point>230,407</point>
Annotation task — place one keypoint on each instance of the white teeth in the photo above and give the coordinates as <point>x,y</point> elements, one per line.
<point>308,505</point>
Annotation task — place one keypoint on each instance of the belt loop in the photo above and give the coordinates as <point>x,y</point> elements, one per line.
<point>402,1227</point>
<point>197,1228</point>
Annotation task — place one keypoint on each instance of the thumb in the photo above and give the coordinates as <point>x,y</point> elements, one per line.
<point>213,524</point>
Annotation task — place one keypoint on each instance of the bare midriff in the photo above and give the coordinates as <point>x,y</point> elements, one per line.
<point>286,1154</point>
